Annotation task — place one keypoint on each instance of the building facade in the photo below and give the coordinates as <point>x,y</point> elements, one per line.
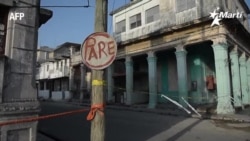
<point>61,74</point>
<point>175,48</point>
<point>53,72</point>
<point>18,44</point>
<point>80,86</point>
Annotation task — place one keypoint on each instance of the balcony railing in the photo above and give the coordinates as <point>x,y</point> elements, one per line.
<point>54,73</point>
<point>76,58</point>
<point>120,52</point>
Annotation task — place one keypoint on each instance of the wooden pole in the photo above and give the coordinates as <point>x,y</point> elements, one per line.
<point>98,123</point>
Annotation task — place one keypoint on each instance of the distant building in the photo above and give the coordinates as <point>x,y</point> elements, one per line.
<point>81,76</point>
<point>53,72</point>
<point>43,53</point>
<point>18,46</point>
<point>178,48</point>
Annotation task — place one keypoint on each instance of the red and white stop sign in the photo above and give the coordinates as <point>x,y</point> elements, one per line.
<point>98,50</point>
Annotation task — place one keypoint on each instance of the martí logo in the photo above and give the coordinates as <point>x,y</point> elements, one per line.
<point>218,15</point>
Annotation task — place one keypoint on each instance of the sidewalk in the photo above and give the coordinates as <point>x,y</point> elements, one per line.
<point>242,116</point>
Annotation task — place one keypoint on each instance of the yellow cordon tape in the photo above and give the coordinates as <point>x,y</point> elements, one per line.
<point>98,82</point>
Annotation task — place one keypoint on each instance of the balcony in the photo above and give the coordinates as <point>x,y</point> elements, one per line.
<point>120,52</point>
<point>76,58</point>
<point>53,73</point>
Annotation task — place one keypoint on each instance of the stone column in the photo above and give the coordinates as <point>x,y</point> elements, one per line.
<point>235,73</point>
<point>71,80</point>
<point>83,81</point>
<point>2,68</point>
<point>248,78</point>
<point>110,84</point>
<point>20,87</point>
<point>129,80</point>
<point>152,79</point>
<point>181,55</point>
<point>220,49</point>
<point>243,77</point>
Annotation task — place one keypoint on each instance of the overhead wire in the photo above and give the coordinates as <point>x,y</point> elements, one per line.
<point>54,6</point>
<point>111,23</point>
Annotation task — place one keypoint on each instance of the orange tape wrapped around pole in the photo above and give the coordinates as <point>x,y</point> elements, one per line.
<point>95,108</point>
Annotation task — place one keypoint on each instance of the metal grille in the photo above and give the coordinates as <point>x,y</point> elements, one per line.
<point>182,5</point>
<point>135,21</point>
<point>120,26</point>
<point>152,14</point>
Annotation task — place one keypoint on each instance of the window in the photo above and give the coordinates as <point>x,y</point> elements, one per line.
<point>135,21</point>
<point>120,26</point>
<point>152,14</point>
<point>226,3</point>
<point>182,5</point>
<point>3,24</point>
<point>41,85</point>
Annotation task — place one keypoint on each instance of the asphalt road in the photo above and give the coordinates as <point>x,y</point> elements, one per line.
<point>136,126</point>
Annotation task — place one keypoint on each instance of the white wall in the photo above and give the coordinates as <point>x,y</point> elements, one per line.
<point>140,7</point>
<point>43,94</point>
<point>61,95</point>
<point>57,95</point>
<point>67,95</point>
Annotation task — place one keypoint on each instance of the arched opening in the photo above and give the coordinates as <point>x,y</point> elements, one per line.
<point>201,73</point>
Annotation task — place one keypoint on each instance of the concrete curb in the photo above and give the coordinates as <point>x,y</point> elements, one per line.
<point>242,119</point>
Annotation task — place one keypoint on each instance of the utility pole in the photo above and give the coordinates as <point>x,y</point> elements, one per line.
<point>98,98</point>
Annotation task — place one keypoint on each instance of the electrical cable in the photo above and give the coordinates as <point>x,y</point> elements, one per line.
<point>111,23</point>
<point>55,6</point>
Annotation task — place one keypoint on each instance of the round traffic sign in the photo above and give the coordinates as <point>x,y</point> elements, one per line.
<point>98,50</point>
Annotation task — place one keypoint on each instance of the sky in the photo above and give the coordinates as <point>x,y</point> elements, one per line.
<point>73,24</point>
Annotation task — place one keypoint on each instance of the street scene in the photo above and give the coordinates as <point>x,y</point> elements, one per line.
<point>132,70</point>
